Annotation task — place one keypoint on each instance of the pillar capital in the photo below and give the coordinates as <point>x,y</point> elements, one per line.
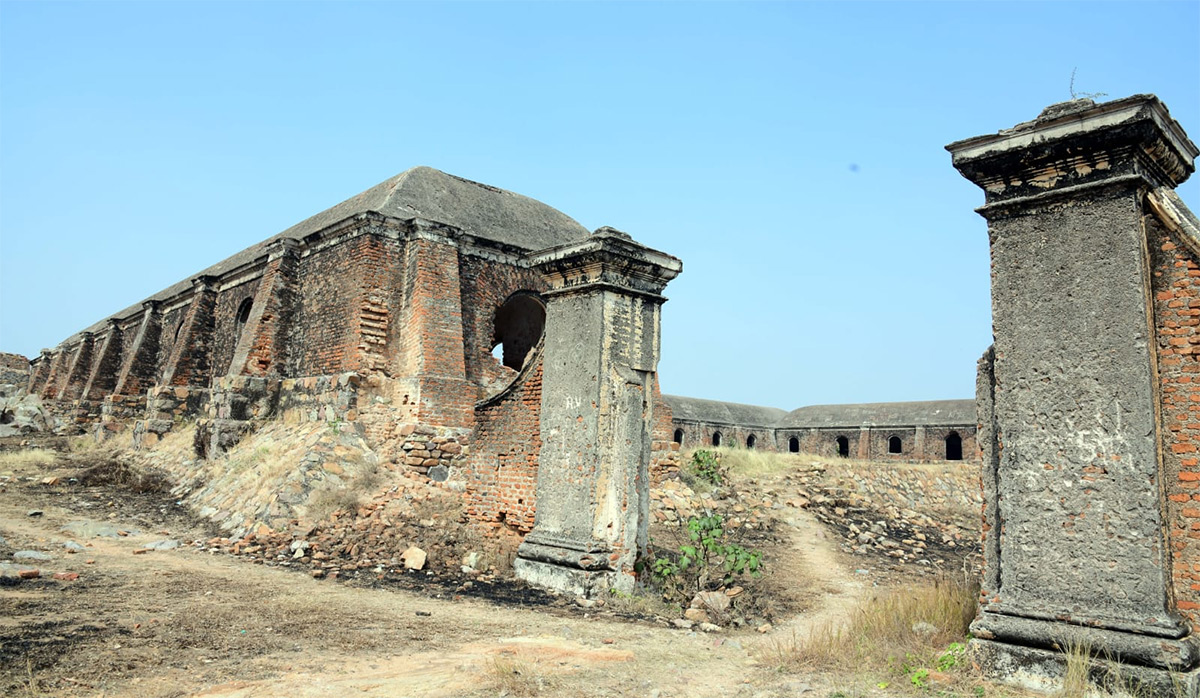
<point>1076,144</point>
<point>282,247</point>
<point>606,258</point>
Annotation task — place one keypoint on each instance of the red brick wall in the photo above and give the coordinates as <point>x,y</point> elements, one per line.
<point>226,329</point>
<point>341,288</point>
<point>486,284</point>
<point>501,472</point>
<point>1175,283</point>
<point>664,453</point>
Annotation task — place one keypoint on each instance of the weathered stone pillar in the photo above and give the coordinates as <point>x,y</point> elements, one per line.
<point>81,366</point>
<point>190,360</point>
<point>139,367</point>
<point>40,371</point>
<point>262,348</point>
<point>1068,398</point>
<point>599,365</point>
<point>103,378</point>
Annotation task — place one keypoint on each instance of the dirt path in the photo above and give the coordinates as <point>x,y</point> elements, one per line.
<point>187,622</point>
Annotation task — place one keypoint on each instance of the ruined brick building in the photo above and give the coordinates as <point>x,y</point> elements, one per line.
<point>411,308</point>
<point>914,432</point>
<point>417,312</point>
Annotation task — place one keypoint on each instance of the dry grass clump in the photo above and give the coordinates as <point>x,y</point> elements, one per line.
<point>27,458</point>
<point>107,468</point>
<point>748,462</point>
<point>904,630</point>
<point>509,676</point>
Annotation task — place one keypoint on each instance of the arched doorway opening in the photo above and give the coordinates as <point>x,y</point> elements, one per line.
<point>953,446</point>
<point>716,439</point>
<point>895,445</point>
<point>679,436</point>
<point>751,440</point>
<point>843,445</point>
<point>793,445</point>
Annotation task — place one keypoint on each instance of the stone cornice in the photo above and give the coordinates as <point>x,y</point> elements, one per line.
<point>607,258</point>
<point>1078,143</point>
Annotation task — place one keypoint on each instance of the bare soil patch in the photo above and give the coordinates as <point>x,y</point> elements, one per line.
<point>196,620</point>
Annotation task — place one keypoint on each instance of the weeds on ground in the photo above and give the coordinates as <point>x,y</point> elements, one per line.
<point>703,554</point>
<point>912,634</point>
<point>26,458</point>
<point>346,496</point>
<point>514,677</point>
<point>1089,674</point>
<point>108,468</point>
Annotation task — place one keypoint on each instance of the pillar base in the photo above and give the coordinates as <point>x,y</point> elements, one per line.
<point>564,564</point>
<point>568,580</point>
<point>1043,670</point>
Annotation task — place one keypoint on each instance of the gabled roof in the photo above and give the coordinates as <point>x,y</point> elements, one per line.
<point>713,412</point>
<point>882,414</point>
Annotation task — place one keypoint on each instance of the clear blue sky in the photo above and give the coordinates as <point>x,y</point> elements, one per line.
<point>790,153</point>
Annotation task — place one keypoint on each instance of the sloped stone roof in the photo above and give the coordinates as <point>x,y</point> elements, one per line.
<point>882,414</point>
<point>480,210</point>
<point>714,412</point>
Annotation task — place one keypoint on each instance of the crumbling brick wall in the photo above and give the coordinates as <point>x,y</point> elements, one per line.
<point>501,472</point>
<point>14,369</point>
<point>1175,280</point>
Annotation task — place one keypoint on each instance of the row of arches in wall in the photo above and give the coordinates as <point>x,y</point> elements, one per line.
<point>953,444</point>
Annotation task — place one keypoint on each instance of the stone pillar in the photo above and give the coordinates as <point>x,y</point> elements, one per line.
<point>919,452</point>
<point>39,372</point>
<point>138,369</point>
<point>103,378</point>
<point>599,365</point>
<point>262,348</point>
<point>1068,398</point>
<point>81,368</point>
<point>190,360</point>
<point>864,443</point>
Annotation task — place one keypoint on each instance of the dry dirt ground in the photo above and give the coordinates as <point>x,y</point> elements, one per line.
<point>190,621</point>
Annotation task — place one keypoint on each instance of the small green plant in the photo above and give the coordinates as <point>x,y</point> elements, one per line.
<point>919,677</point>
<point>705,553</point>
<point>954,655</point>
<point>706,465</point>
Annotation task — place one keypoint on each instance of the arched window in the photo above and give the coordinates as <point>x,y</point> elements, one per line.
<point>518,328</point>
<point>793,445</point>
<point>716,439</point>
<point>679,436</point>
<point>843,445</point>
<point>895,445</point>
<point>750,441</point>
<point>953,446</point>
<point>243,313</point>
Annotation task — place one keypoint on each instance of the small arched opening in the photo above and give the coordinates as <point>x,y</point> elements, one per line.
<point>953,446</point>
<point>751,440</point>
<point>843,445</point>
<point>895,445</point>
<point>518,328</point>
<point>679,436</point>
<point>716,439</point>
<point>793,445</point>
<point>243,313</point>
